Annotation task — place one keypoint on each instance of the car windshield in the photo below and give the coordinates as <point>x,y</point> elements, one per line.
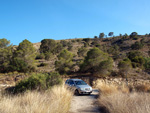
<point>80,83</point>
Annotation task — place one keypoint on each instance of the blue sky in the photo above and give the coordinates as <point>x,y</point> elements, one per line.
<point>64,19</point>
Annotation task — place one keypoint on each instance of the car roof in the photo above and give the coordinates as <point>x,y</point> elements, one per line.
<point>76,79</point>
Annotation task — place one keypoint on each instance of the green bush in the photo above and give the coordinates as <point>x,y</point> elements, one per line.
<point>42,64</point>
<point>139,59</point>
<point>147,63</point>
<point>23,59</point>
<point>114,51</point>
<point>38,82</point>
<point>136,58</point>
<point>124,67</point>
<point>48,55</point>
<point>101,35</point>
<point>5,58</point>
<point>58,48</point>
<point>82,52</point>
<point>4,43</point>
<point>48,45</point>
<point>135,38</point>
<point>137,45</point>
<point>78,40</point>
<point>64,43</point>
<point>70,47</point>
<point>133,54</point>
<point>95,36</point>
<point>97,62</point>
<point>133,35</point>
<point>95,42</point>
<point>98,46</point>
<point>105,67</point>
<point>21,65</point>
<point>40,56</point>
<point>52,79</point>
<point>73,41</point>
<point>64,63</point>
<point>86,40</point>
<point>86,44</point>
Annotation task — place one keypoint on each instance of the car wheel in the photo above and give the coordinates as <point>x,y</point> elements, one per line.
<point>77,92</point>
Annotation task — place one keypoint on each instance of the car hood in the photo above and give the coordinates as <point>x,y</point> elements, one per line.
<point>83,86</point>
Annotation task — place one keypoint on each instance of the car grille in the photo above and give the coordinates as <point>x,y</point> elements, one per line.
<point>87,89</point>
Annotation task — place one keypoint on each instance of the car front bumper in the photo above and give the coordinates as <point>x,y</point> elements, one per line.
<point>85,92</point>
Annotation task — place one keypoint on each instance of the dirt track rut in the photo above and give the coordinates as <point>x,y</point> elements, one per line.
<point>85,103</point>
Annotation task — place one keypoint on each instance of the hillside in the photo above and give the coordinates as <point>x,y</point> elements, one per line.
<point>117,48</point>
<point>114,66</point>
<point>130,55</point>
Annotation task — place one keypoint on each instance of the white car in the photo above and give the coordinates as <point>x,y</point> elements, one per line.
<point>79,86</point>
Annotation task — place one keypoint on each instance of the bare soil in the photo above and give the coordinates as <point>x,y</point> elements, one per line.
<point>85,103</point>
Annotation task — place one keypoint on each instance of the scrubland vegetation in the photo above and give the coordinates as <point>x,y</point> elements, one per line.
<point>119,99</point>
<point>38,93</point>
<point>123,56</point>
<point>38,82</point>
<point>55,100</point>
<point>100,56</point>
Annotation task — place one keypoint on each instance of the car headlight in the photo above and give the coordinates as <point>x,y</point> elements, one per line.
<point>81,88</point>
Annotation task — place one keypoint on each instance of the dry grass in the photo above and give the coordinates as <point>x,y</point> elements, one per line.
<point>56,100</point>
<point>142,88</point>
<point>119,100</point>
<point>126,103</point>
<point>108,89</point>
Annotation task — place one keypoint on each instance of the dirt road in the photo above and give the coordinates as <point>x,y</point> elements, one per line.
<point>85,103</point>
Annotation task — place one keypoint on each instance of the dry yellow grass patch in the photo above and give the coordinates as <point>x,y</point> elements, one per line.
<point>56,100</point>
<point>107,89</point>
<point>126,103</point>
<point>118,99</point>
<point>142,88</point>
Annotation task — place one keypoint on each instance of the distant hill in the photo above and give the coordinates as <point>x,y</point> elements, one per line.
<point>111,56</point>
<point>117,47</point>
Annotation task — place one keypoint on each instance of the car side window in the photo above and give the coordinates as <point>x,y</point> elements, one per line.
<point>67,82</point>
<point>71,82</point>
